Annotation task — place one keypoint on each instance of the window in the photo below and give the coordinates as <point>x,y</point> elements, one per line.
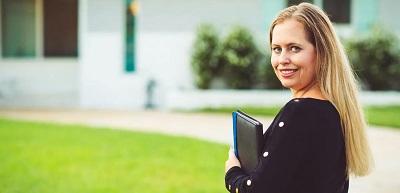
<point>18,18</point>
<point>296,2</point>
<point>60,27</point>
<point>35,28</point>
<point>338,10</point>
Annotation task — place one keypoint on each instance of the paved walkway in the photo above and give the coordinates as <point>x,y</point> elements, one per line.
<point>385,143</point>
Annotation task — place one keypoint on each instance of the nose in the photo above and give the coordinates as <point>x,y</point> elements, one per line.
<point>284,58</point>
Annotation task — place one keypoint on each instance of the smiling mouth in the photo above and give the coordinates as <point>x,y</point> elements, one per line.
<point>286,73</point>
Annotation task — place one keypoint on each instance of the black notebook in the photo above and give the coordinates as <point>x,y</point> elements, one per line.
<point>247,140</point>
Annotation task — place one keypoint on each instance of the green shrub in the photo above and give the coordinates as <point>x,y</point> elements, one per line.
<point>266,74</point>
<point>239,58</point>
<point>376,60</point>
<point>204,56</point>
<point>236,61</point>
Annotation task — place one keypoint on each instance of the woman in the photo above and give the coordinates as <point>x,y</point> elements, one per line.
<point>317,139</point>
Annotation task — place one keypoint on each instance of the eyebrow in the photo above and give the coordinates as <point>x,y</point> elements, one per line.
<point>288,45</point>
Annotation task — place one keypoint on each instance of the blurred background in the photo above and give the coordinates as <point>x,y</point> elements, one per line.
<point>131,54</point>
<point>176,67</point>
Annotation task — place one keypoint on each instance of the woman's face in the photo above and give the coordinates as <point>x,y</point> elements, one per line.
<point>293,56</point>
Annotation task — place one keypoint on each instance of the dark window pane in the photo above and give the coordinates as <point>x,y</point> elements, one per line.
<point>338,10</point>
<point>296,2</point>
<point>18,28</point>
<point>60,27</point>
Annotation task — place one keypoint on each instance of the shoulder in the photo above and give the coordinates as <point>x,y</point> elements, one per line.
<point>310,112</point>
<point>309,106</point>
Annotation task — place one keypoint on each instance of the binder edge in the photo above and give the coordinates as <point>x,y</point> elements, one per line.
<point>234,118</point>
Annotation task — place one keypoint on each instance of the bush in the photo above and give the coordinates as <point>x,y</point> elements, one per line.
<point>267,77</point>
<point>376,60</point>
<point>239,58</point>
<point>204,56</point>
<point>235,63</point>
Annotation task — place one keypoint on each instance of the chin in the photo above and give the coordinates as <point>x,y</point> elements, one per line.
<point>285,84</point>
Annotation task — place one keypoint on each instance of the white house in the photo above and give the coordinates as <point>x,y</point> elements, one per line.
<point>123,54</point>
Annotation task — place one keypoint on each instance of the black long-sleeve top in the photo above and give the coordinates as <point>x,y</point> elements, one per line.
<point>303,152</point>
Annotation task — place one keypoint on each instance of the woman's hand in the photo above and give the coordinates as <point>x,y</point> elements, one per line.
<point>232,161</point>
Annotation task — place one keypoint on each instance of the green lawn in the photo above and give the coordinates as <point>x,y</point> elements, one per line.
<point>384,115</point>
<point>52,158</point>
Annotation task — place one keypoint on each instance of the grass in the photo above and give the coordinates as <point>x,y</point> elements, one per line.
<point>384,115</point>
<point>388,116</point>
<point>53,158</point>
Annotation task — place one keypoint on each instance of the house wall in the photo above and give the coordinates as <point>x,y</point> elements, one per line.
<point>103,81</point>
<point>364,14</point>
<point>270,10</point>
<point>166,31</point>
<point>389,14</point>
<point>39,83</point>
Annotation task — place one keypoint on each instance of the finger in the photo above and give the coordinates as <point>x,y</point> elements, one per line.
<point>232,153</point>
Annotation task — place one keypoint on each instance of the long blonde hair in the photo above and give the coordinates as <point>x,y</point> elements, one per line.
<point>336,80</point>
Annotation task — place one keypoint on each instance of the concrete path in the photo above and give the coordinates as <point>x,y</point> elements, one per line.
<point>385,143</point>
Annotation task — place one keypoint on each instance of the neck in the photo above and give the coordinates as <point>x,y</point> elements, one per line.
<point>310,91</point>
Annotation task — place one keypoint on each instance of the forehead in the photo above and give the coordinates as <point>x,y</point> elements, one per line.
<point>289,31</point>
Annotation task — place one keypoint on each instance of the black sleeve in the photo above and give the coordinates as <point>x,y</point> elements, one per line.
<point>288,148</point>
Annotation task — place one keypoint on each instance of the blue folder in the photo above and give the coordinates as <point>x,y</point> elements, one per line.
<point>247,140</point>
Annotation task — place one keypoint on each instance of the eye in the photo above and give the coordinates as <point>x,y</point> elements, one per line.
<point>277,50</point>
<point>295,49</point>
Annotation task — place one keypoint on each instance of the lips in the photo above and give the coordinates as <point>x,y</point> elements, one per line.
<point>287,73</point>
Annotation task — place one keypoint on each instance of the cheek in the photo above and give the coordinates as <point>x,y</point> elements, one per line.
<point>312,65</point>
<point>274,61</point>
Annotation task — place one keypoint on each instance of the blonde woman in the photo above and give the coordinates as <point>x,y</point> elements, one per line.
<point>318,138</point>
